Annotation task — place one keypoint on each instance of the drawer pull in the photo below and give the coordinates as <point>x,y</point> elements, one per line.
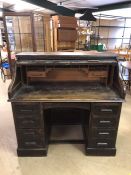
<point>29,133</point>
<point>102,144</point>
<point>30,143</point>
<point>104,133</point>
<point>26,110</point>
<point>25,122</point>
<point>104,121</point>
<point>106,110</point>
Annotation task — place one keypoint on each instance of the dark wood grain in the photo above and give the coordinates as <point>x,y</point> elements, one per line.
<point>78,88</point>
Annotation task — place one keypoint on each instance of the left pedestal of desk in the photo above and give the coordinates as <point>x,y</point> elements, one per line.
<point>30,128</point>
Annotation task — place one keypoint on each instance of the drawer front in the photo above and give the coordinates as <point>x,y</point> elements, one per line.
<point>101,143</point>
<point>30,133</point>
<point>26,109</point>
<point>103,133</point>
<point>28,123</point>
<point>30,138</point>
<point>67,105</point>
<point>104,122</point>
<point>106,109</point>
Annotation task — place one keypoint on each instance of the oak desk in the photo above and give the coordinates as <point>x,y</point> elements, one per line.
<point>66,88</point>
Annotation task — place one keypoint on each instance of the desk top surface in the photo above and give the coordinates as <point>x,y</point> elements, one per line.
<point>81,57</point>
<point>66,54</point>
<point>67,94</point>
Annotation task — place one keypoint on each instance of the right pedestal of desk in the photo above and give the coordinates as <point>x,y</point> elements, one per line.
<point>103,126</point>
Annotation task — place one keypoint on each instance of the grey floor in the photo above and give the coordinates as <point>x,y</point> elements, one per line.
<point>65,159</point>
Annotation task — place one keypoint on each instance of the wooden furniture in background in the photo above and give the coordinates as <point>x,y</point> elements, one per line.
<point>66,88</point>
<point>27,32</point>
<point>64,32</point>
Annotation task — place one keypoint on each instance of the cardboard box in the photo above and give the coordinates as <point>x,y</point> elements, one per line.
<point>7,73</point>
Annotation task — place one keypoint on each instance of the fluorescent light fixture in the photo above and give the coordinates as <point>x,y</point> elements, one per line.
<point>78,15</point>
<point>125,12</point>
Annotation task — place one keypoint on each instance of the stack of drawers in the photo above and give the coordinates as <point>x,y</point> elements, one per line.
<point>103,127</point>
<point>29,129</point>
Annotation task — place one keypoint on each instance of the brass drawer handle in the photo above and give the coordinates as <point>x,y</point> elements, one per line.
<point>104,121</point>
<point>104,133</point>
<point>102,144</point>
<point>106,110</point>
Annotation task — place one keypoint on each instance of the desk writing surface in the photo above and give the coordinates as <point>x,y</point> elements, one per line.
<point>75,94</point>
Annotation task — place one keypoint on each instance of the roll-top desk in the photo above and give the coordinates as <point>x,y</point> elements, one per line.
<point>83,86</point>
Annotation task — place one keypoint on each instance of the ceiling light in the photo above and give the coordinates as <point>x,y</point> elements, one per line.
<point>78,15</point>
<point>125,12</point>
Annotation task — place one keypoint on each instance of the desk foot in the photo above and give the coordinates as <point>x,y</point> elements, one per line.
<point>31,152</point>
<point>100,151</point>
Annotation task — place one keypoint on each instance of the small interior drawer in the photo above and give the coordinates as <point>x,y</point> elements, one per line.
<point>31,74</point>
<point>106,109</point>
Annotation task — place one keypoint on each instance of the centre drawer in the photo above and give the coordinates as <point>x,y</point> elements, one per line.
<point>106,109</point>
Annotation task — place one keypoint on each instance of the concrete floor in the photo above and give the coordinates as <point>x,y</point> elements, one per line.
<point>62,159</point>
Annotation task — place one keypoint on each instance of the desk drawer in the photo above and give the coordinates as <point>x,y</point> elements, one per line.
<point>26,108</point>
<point>28,123</point>
<point>102,143</point>
<point>30,138</point>
<point>103,133</point>
<point>30,133</point>
<point>106,109</point>
<point>104,122</point>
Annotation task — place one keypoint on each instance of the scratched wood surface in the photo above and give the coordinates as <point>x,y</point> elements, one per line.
<point>76,93</point>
